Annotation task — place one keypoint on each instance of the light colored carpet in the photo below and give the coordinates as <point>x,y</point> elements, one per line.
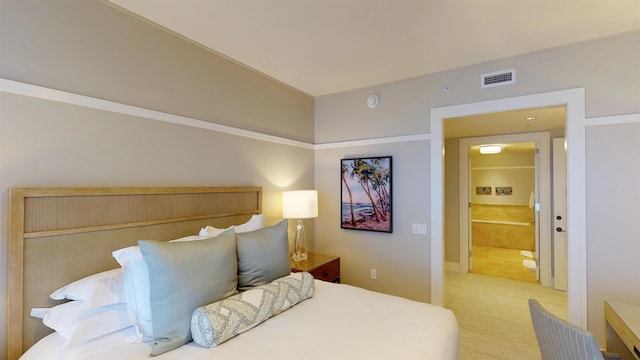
<point>493,315</point>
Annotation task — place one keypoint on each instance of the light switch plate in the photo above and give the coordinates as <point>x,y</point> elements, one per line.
<point>420,229</point>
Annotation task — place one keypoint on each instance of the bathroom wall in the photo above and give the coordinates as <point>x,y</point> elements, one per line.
<point>504,226</point>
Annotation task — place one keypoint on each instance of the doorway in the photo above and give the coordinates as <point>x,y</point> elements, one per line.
<point>520,218</point>
<point>576,187</point>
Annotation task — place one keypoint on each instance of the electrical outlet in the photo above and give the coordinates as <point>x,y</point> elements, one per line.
<point>374,274</point>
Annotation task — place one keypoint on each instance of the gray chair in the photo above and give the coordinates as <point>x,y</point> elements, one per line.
<point>561,340</point>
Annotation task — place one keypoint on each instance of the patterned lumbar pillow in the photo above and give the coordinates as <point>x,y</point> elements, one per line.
<point>216,323</point>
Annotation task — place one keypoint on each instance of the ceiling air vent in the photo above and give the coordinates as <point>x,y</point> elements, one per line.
<point>498,78</point>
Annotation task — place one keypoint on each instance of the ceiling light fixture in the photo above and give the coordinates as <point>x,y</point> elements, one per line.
<point>490,149</point>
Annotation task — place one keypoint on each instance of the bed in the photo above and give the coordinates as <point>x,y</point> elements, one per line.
<point>62,236</point>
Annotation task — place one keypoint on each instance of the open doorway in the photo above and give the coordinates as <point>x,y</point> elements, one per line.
<point>573,100</point>
<point>470,131</point>
<point>502,222</point>
<point>499,217</point>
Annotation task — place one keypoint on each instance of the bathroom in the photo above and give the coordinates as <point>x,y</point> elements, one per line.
<point>503,224</point>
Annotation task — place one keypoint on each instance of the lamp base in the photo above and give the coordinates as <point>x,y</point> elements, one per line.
<point>300,244</point>
<point>299,257</point>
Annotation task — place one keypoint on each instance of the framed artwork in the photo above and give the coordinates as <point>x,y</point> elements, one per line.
<point>483,190</point>
<point>365,198</point>
<point>504,190</point>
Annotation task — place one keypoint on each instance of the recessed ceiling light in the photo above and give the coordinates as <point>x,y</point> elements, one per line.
<point>529,118</point>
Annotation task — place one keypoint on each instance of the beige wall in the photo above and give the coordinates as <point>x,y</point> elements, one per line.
<point>613,174</point>
<point>452,198</point>
<point>89,48</point>
<point>401,258</point>
<point>94,49</point>
<point>607,71</point>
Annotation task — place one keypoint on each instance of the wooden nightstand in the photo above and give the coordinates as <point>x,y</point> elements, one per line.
<point>322,267</point>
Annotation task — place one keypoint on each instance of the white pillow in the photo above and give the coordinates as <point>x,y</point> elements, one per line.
<point>136,288</point>
<point>100,289</point>
<point>209,231</point>
<point>77,322</point>
<point>255,223</point>
<point>191,238</point>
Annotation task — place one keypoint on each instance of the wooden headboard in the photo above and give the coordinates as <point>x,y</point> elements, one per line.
<point>59,235</point>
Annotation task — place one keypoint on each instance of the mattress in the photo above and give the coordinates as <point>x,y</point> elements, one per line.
<point>339,322</point>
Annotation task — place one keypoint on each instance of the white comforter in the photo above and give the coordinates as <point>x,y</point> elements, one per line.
<point>339,322</point>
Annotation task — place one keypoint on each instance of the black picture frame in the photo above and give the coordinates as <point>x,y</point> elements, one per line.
<point>365,196</point>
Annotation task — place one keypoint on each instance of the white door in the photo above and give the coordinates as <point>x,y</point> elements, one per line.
<point>560,255</point>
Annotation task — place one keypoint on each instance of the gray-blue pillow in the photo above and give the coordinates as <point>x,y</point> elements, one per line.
<point>184,276</point>
<point>263,255</point>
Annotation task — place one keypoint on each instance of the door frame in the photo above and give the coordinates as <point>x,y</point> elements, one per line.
<point>543,197</point>
<point>574,100</point>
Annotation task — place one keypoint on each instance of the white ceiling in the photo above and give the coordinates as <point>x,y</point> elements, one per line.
<point>327,46</point>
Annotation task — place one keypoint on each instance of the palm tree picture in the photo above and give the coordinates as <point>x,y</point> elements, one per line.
<point>366,194</point>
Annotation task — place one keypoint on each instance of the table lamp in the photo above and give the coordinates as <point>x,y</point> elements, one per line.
<point>300,204</point>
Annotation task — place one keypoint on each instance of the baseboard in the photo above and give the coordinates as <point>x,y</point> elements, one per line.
<point>451,266</point>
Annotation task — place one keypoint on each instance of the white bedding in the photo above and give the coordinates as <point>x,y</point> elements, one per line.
<point>339,322</point>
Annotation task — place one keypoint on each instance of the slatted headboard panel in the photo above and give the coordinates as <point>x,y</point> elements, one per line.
<point>58,235</point>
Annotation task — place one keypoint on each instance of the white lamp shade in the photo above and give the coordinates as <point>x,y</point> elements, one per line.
<point>300,204</point>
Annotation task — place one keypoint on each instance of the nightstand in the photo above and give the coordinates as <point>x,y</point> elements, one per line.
<point>322,267</point>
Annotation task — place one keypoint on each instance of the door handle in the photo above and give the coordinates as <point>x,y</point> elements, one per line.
<point>559,229</point>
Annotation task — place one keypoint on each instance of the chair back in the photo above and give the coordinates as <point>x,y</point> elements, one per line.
<point>559,339</point>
